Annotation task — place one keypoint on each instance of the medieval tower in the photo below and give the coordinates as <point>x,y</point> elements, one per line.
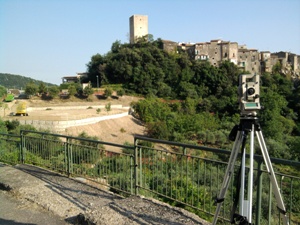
<point>138,25</point>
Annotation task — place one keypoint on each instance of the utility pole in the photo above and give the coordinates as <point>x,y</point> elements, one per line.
<point>97,84</point>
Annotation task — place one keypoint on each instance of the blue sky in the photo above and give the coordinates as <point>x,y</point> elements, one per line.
<point>49,39</point>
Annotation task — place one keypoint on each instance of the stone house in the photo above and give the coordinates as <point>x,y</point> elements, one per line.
<point>248,59</point>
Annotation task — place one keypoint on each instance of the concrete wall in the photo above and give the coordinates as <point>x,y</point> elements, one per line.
<point>29,109</point>
<point>60,126</point>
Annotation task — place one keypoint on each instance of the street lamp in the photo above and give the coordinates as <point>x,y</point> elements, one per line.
<point>97,84</point>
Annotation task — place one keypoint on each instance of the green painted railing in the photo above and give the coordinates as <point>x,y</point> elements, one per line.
<point>182,175</point>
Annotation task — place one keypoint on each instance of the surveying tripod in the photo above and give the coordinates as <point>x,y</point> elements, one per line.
<point>248,124</point>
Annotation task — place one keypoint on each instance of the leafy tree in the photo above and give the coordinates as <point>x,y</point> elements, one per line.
<point>53,91</point>
<point>72,90</point>
<point>108,92</point>
<point>87,91</point>
<point>3,91</point>
<point>120,92</point>
<point>96,68</point>
<point>42,88</point>
<point>277,68</point>
<point>11,125</point>
<point>158,130</point>
<point>31,89</point>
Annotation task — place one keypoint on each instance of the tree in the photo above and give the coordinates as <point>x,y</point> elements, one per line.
<point>3,91</point>
<point>87,91</point>
<point>31,89</point>
<point>276,68</point>
<point>72,90</point>
<point>53,91</point>
<point>96,67</point>
<point>42,88</point>
<point>120,92</point>
<point>108,92</point>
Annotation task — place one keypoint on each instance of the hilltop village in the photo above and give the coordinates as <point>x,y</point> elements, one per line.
<point>216,51</point>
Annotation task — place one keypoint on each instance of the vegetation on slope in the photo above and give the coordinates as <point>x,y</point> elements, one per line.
<point>17,82</point>
<point>198,102</point>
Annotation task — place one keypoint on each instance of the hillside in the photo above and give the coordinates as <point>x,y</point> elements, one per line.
<point>17,81</point>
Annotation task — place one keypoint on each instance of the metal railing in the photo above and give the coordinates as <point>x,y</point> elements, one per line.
<point>182,175</point>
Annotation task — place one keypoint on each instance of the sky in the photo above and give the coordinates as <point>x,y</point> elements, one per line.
<point>49,39</point>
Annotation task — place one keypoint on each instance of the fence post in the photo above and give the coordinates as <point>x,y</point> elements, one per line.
<point>69,158</point>
<point>136,191</point>
<point>258,192</point>
<point>23,148</point>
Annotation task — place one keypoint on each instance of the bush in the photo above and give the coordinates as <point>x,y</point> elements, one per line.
<point>120,92</point>
<point>211,138</point>
<point>108,92</point>
<point>108,107</point>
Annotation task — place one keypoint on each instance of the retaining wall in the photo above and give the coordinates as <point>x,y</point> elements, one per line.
<point>60,126</point>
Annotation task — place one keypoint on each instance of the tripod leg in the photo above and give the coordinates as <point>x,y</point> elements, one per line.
<point>228,174</point>
<point>271,173</point>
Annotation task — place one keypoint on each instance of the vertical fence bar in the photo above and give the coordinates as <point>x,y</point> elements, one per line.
<point>291,200</point>
<point>270,203</point>
<point>259,192</point>
<point>23,157</point>
<point>131,174</point>
<point>136,166</point>
<point>68,157</point>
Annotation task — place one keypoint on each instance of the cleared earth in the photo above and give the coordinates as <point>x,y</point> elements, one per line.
<point>118,130</point>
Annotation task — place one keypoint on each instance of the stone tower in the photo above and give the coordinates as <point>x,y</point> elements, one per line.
<point>138,25</point>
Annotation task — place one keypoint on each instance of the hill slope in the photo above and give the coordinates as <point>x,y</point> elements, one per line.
<point>17,81</point>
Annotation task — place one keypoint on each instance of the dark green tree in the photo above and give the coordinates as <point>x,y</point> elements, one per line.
<point>88,90</point>
<point>31,89</point>
<point>53,91</point>
<point>42,88</point>
<point>72,90</point>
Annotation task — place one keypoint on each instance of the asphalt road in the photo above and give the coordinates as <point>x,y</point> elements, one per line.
<point>16,212</point>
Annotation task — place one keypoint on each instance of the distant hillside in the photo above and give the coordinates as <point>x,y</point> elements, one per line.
<point>17,81</point>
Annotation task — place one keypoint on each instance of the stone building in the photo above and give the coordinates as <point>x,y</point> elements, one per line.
<point>248,59</point>
<point>265,62</point>
<point>138,26</point>
<point>288,61</point>
<point>214,51</point>
<point>169,46</point>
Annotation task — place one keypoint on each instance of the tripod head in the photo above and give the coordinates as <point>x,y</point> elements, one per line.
<point>249,94</point>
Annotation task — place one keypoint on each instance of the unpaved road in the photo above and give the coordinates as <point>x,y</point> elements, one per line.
<point>79,203</point>
<point>14,211</point>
